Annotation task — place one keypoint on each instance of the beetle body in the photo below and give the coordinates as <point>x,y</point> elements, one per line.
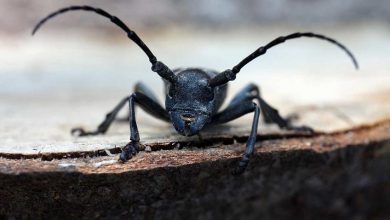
<point>194,95</point>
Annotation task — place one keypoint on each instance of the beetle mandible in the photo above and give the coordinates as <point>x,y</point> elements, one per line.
<point>193,95</point>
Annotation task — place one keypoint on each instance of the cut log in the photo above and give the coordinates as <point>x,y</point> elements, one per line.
<point>344,174</point>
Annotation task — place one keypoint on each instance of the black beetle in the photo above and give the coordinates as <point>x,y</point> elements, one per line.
<point>194,95</point>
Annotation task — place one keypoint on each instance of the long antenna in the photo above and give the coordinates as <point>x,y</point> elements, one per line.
<point>230,74</point>
<point>157,66</point>
<point>130,34</point>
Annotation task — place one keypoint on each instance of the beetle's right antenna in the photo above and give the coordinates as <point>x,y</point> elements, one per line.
<point>157,66</point>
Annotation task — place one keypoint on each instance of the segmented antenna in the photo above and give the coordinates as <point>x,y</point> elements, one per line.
<point>230,74</point>
<point>130,34</point>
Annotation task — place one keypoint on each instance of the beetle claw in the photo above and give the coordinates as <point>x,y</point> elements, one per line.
<point>78,132</point>
<point>304,129</point>
<point>130,150</point>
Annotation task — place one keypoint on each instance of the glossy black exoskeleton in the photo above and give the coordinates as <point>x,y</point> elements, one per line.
<point>193,95</point>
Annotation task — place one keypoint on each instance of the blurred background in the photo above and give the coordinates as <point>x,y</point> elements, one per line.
<point>79,65</point>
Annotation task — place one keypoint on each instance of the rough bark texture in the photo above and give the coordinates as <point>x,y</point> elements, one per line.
<point>338,175</point>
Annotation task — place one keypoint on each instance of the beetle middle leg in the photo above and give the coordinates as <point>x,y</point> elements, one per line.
<point>270,114</point>
<point>158,112</point>
<point>142,88</point>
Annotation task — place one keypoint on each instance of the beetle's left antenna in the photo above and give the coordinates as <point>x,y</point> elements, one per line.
<point>157,66</point>
<point>230,74</point>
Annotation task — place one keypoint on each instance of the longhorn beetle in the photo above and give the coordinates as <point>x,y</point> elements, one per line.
<point>194,95</point>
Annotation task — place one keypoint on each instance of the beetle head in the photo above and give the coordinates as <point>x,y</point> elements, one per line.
<point>190,101</point>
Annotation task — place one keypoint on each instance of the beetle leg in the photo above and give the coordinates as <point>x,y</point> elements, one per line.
<point>150,106</point>
<point>235,111</point>
<point>147,103</point>
<point>142,88</point>
<point>103,126</point>
<point>250,144</point>
<point>270,114</point>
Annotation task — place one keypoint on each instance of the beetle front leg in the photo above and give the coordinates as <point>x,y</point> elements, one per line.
<point>250,144</point>
<point>133,147</point>
<point>235,111</point>
<point>150,106</point>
